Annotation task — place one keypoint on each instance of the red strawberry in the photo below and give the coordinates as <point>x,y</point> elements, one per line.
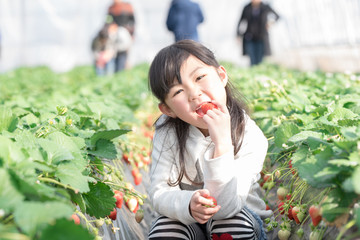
<point>226,236</point>
<point>290,216</point>
<point>315,215</point>
<point>138,179</point>
<point>215,236</point>
<point>213,200</point>
<point>134,171</point>
<point>288,196</point>
<point>297,214</point>
<point>119,198</point>
<point>113,214</point>
<point>268,207</point>
<point>208,106</point>
<point>76,218</point>
<point>267,177</point>
<point>281,207</point>
<point>281,193</point>
<point>291,167</point>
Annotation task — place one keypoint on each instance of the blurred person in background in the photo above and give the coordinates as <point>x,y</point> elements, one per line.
<point>253,28</point>
<point>122,13</point>
<point>183,18</point>
<point>110,48</point>
<point>104,51</point>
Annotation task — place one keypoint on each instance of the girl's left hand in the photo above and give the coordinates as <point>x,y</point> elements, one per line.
<point>198,210</point>
<point>219,126</point>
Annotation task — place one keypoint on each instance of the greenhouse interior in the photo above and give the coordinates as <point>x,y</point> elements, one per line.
<point>81,118</point>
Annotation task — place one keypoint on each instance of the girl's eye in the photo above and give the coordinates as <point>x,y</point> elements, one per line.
<point>200,77</point>
<point>177,92</point>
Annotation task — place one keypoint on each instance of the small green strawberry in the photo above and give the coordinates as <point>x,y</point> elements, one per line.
<point>284,234</point>
<point>99,222</point>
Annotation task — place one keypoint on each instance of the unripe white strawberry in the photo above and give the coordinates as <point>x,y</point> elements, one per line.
<point>132,203</point>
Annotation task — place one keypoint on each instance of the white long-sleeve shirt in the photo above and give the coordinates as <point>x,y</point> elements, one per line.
<point>231,180</point>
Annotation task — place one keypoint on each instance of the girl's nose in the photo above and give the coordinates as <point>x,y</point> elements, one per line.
<point>194,94</point>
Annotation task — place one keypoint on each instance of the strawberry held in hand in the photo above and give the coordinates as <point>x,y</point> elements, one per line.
<point>213,200</point>
<point>206,107</point>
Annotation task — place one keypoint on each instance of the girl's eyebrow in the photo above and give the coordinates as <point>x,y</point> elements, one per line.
<point>193,71</point>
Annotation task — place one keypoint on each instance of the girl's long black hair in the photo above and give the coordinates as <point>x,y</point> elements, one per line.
<point>165,69</point>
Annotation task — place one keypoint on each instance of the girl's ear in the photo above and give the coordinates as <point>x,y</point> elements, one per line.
<point>223,75</point>
<point>166,110</point>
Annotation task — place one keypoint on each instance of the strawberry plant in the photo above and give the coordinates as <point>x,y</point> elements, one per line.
<point>62,139</point>
<point>312,121</point>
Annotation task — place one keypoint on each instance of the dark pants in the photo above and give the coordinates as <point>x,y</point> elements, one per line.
<point>242,226</point>
<point>255,50</point>
<point>120,61</point>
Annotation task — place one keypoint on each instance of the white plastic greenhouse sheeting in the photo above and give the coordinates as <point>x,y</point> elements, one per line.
<point>311,34</point>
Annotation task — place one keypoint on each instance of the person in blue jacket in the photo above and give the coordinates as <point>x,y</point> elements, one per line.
<point>183,18</point>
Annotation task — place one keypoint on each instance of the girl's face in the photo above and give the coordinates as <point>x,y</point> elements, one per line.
<point>200,83</point>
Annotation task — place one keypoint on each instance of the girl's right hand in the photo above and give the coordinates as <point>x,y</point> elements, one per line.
<point>219,126</point>
<point>198,210</point>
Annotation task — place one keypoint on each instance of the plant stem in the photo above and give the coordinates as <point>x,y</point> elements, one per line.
<point>345,228</point>
<point>44,179</point>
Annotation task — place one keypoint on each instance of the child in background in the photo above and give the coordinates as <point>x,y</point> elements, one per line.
<point>103,49</point>
<point>198,153</point>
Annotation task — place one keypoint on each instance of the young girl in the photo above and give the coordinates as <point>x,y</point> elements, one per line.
<point>195,154</point>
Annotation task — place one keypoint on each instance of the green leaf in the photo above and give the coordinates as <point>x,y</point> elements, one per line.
<point>343,162</point>
<point>65,230</point>
<point>104,149</point>
<point>303,135</point>
<point>10,197</point>
<point>356,179</point>
<point>99,200</point>
<point>66,142</point>
<point>354,157</point>
<point>30,216</point>
<point>341,114</point>
<point>10,153</point>
<point>350,133</point>
<point>310,165</point>
<point>78,199</point>
<point>284,132</point>
<point>30,188</point>
<point>7,120</point>
<point>357,217</point>
<point>107,135</point>
<point>300,155</point>
<point>337,203</point>
<point>55,152</point>
<point>348,146</point>
<point>68,173</point>
<point>315,143</point>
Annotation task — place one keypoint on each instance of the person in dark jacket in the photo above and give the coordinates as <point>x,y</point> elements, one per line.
<point>183,18</point>
<point>256,42</point>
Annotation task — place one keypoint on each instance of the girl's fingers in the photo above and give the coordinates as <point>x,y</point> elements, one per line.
<point>221,107</point>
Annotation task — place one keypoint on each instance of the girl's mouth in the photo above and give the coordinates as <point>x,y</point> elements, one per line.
<point>203,108</point>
